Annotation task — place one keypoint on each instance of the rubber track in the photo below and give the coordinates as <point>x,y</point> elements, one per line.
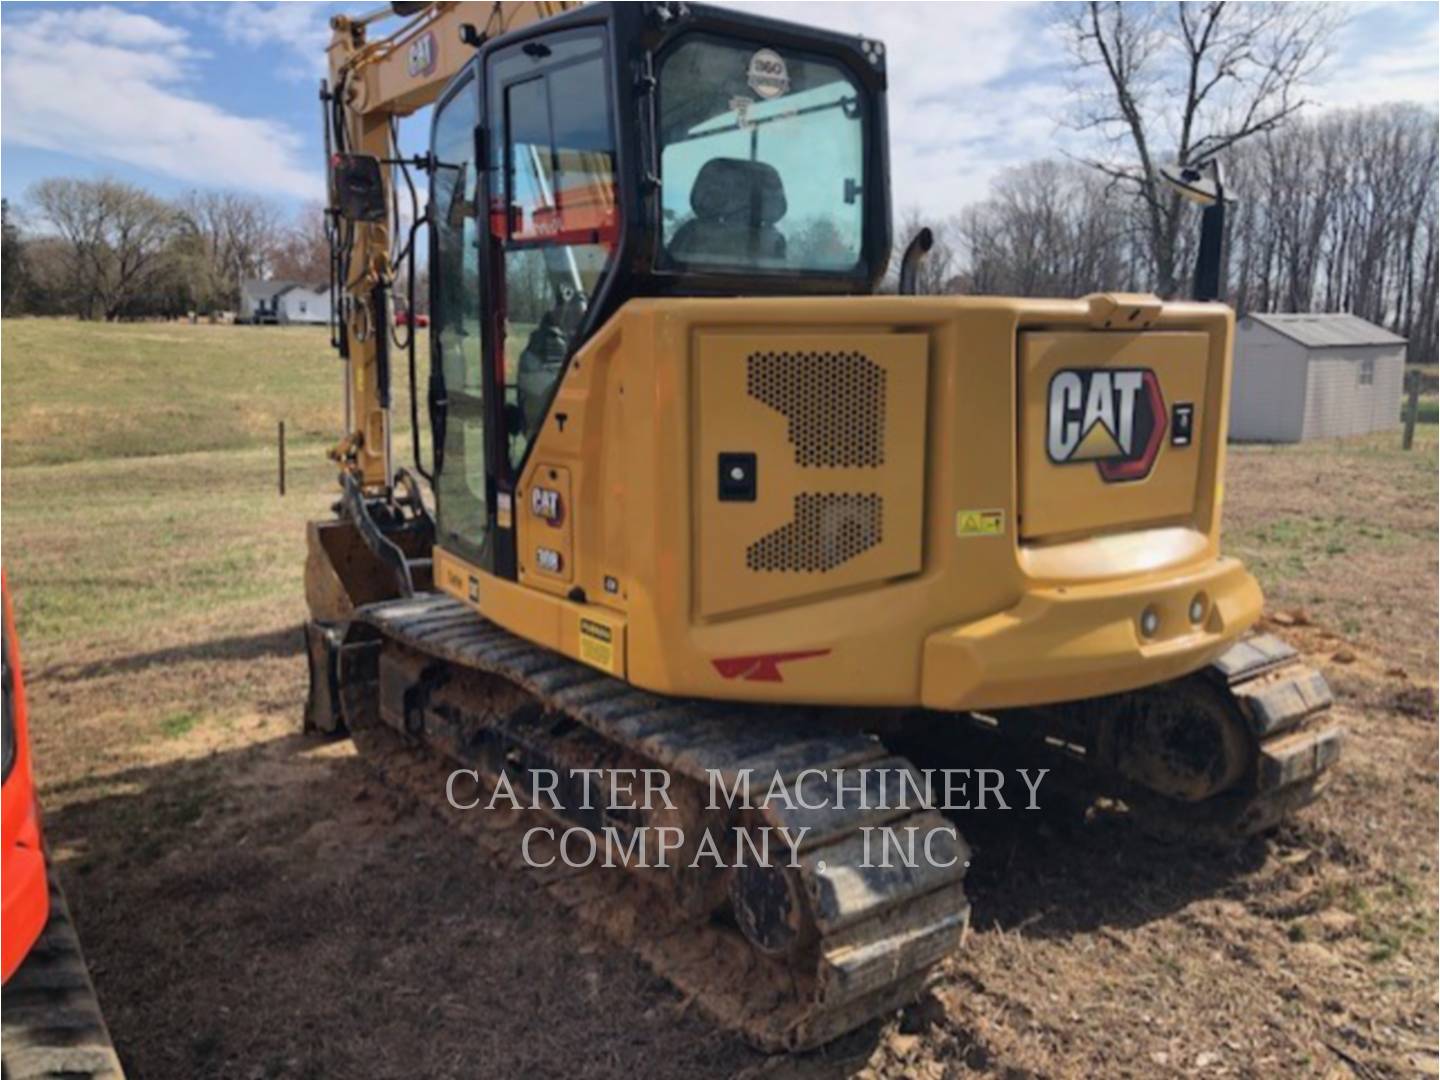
<point>880,930</point>
<point>1284,707</point>
<point>50,1018</point>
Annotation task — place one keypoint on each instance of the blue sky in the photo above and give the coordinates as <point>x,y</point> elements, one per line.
<point>223,95</point>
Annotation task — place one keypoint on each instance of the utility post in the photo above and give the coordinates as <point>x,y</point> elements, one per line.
<point>1412,405</point>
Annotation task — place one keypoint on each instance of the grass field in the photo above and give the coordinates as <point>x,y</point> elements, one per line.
<point>141,469</point>
<point>1344,533</point>
<point>79,391</point>
<point>157,580</point>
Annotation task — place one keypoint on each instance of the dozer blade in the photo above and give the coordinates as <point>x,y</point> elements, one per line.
<point>791,953</point>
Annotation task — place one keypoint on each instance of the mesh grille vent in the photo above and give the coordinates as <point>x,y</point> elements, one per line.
<point>834,401</point>
<point>828,530</point>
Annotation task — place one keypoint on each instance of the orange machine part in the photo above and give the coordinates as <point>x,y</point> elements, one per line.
<point>26,899</point>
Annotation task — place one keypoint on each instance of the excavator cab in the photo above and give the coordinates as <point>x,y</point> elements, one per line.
<point>622,151</point>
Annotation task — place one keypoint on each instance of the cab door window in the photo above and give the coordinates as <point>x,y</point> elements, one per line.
<point>462,504</point>
<point>554,219</point>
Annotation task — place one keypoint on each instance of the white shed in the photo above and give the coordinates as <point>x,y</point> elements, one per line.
<point>1319,376</point>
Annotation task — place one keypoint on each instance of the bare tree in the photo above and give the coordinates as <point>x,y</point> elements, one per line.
<point>12,260</point>
<point>49,277</point>
<point>226,238</point>
<point>1339,214</point>
<point>1049,228</point>
<point>1336,213</point>
<point>72,208</point>
<point>117,235</point>
<point>302,252</point>
<point>1183,81</point>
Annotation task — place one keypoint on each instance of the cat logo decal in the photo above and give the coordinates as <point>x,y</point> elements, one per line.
<point>423,57</point>
<point>1114,417</point>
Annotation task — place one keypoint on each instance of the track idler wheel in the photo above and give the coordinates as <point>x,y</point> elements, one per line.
<point>1188,746</point>
<point>771,910</point>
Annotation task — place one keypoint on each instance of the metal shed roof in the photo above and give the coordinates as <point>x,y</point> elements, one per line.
<point>1323,329</point>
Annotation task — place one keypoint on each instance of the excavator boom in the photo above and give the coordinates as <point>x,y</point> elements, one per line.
<point>373,83</point>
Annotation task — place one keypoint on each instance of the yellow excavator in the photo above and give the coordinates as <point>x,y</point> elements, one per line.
<point>699,497</point>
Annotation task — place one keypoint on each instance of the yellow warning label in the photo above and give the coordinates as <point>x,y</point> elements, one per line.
<point>980,523</point>
<point>597,644</point>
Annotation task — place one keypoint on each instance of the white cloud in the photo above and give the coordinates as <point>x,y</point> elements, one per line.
<point>300,31</point>
<point>116,27</point>
<point>957,115</point>
<point>1374,70</point>
<point>116,86</point>
<point>975,88</point>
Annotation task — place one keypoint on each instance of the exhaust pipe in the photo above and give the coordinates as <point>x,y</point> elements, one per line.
<point>915,251</point>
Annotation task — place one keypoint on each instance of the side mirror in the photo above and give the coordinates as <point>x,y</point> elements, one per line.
<point>1199,183</point>
<point>359,187</point>
<point>1202,183</point>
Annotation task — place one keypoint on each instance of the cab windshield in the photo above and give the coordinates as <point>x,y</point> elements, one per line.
<point>762,155</point>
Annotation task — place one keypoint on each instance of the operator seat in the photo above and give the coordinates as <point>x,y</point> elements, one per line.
<point>736,204</point>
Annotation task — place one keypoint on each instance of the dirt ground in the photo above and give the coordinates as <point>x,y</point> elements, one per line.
<point>254,905</point>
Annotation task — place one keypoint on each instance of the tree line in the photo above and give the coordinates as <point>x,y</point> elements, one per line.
<point>1338,213</point>
<point>105,249</point>
<point>1331,212</point>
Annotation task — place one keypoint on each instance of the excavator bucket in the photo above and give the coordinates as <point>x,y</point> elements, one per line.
<point>341,572</point>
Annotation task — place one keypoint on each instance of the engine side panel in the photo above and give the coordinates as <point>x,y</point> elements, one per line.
<point>669,581</point>
<point>808,464</point>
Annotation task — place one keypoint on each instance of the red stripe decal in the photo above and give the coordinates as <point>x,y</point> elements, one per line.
<point>762,668</point>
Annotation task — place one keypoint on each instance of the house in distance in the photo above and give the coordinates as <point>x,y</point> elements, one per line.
<point>283,302</point>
